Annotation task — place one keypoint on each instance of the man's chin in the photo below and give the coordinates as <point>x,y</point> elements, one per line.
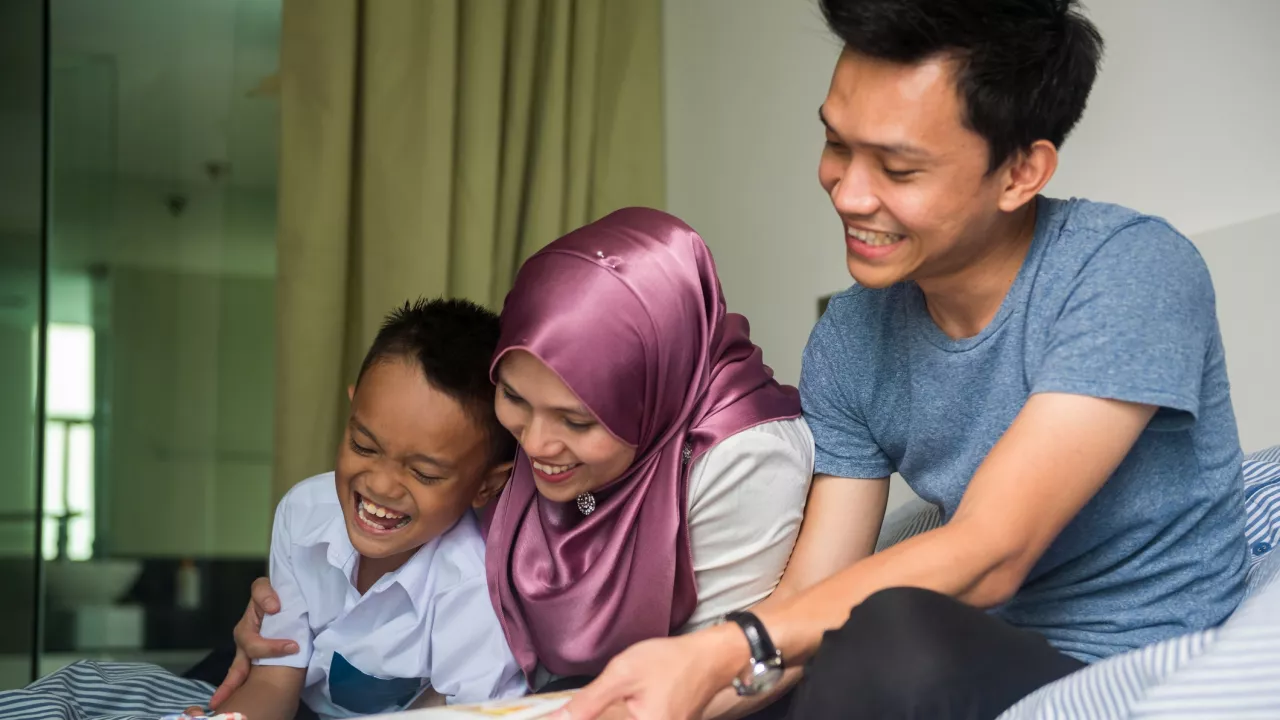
<point>874,278</point>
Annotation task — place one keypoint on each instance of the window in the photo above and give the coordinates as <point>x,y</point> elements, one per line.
<point>69,443</point>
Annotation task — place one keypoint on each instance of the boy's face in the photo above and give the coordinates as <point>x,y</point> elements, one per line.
<point>412,461</point>
<point>907,177</point>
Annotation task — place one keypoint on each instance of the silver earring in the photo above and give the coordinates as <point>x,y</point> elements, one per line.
<point>586,503</point>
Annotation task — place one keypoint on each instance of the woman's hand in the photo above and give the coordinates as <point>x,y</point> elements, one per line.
<point>250,645</point>
<point>665,678</point>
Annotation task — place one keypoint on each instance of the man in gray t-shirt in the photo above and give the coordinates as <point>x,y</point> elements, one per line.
<point>1048,373</point>
<point>1107,304</point>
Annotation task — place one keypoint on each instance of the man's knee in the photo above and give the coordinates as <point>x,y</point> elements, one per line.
<point>882,660</point>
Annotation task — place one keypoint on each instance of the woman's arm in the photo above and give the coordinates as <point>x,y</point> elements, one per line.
<point>746,506</point>
<point>250,645</point>
<point>270,693</point>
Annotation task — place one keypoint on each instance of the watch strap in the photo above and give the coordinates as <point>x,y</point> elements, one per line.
<point>758,639</point>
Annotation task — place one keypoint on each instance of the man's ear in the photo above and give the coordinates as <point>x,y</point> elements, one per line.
<point>1027,173</point>
<point>351,393</point>
<point>491,486</point>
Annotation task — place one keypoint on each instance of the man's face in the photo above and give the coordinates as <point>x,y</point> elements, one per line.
<point>907,177</point>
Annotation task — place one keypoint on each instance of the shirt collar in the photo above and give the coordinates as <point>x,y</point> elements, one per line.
<point>413,576</point>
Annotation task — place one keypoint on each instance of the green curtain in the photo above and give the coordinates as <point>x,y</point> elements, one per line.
<point>427,148</point>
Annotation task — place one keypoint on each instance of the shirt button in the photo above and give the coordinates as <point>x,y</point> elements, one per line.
<point>1261,548</point>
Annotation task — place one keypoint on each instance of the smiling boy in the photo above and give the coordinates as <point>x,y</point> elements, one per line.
<point>379,565</point>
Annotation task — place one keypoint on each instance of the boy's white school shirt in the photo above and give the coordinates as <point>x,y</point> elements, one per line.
<point>429,623</point>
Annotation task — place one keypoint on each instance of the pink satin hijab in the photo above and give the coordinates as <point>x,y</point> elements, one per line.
<point>629,313</point>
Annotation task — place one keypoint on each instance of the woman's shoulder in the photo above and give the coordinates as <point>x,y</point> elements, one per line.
<point>787,436</point>
<point>761,456</point>
<point>746,503</point>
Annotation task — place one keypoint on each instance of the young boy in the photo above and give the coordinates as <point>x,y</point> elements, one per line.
<point>379,565</point>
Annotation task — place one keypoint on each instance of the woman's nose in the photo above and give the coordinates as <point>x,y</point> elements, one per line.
<point>539,441</point>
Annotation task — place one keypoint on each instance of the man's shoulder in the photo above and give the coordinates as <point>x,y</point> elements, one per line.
<point>1083,228</point>
<point>859,320</point>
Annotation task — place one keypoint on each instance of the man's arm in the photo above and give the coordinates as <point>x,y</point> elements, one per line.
<point>842,520</point>
<point>1056,455</point>
<point>270,693</point>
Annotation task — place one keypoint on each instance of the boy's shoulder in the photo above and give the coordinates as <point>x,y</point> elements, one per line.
<point>309,512</point>
<point>458,557</point>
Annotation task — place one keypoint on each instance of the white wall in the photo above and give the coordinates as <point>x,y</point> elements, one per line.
<point>1181,124</point>
<point>1244,260</point>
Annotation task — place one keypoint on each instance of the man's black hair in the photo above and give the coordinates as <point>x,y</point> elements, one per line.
<point>452,341</point>
<point>1025,67</point>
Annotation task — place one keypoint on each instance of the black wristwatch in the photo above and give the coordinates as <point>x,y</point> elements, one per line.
<point>765,669</point>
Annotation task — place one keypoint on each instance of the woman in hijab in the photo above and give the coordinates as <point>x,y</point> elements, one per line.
<point>662,471</point>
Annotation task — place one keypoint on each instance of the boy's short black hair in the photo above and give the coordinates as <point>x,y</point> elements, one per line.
<point>1025,66</point>
<point>453,342</point>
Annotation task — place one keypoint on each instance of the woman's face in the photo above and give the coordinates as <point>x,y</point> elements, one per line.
<point>570,449</point>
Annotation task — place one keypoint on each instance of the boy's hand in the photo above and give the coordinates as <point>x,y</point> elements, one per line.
<point>250,645</point>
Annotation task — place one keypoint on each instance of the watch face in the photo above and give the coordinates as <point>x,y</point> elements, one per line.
<point>766,676</point>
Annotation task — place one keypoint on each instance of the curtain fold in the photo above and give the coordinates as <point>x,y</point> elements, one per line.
<point>427,148</point>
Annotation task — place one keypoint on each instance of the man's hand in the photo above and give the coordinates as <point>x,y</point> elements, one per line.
<point>250,645</point>
<point>665,678</point>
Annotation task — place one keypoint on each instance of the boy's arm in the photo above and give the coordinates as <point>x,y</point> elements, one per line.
<point>270,693</point>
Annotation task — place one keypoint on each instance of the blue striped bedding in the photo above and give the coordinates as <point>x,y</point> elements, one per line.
<point>1232,671</point>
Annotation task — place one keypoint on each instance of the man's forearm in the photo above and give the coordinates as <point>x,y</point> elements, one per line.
<point>947,560</point>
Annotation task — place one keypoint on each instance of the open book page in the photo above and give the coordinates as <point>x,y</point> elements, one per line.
<point>525,708</point>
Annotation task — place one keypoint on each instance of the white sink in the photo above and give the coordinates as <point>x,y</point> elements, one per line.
<point>73,584</point>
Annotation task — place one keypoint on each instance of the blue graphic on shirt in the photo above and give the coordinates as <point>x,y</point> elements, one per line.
<point>364,694</point>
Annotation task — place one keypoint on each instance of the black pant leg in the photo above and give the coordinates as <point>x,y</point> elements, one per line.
<point>214,666</point>
<point>912,653</point>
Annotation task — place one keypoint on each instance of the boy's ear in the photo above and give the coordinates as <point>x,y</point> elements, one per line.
<point>351,393</point>
<point>491,486</point>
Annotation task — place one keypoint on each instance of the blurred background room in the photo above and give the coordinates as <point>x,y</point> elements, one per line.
<point>206,206</point>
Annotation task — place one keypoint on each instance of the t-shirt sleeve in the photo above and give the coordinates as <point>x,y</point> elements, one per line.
<point>1136,326</point>
<point>469,658</point>
<point>843,444</point>
<point>291,622</point>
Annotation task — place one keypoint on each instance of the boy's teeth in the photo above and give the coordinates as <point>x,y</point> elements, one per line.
<point>374,509</point>
<point>552,469</point>
<point>873,238</point>
<point>366,516</point>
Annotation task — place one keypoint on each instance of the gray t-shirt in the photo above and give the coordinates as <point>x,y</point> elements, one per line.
<point>1109,303</point>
